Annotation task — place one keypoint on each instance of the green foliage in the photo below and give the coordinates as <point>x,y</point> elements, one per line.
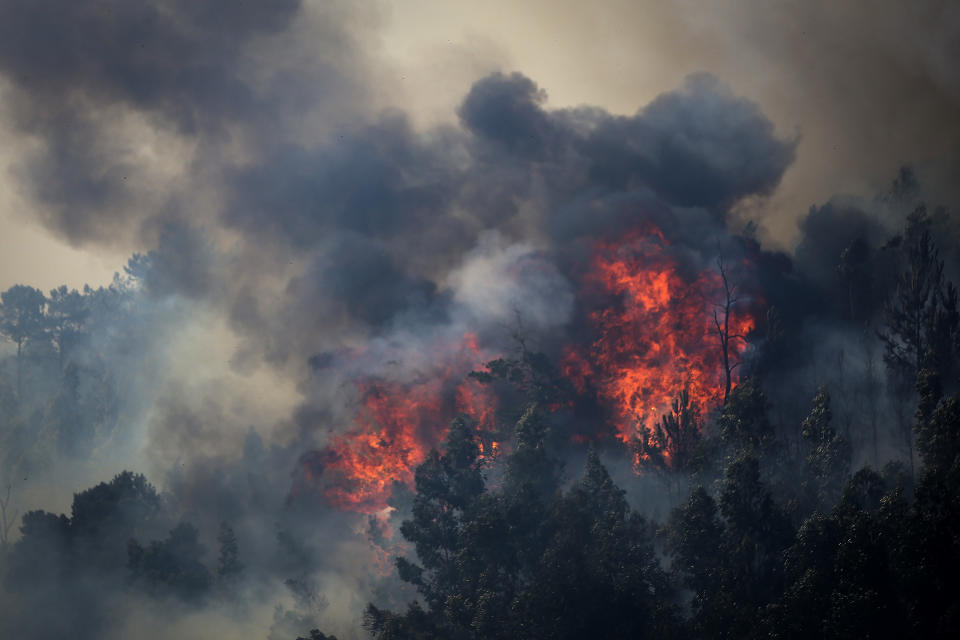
<point>414,624</point>
<point>786,543</point>
<point>448,486</point>
<point>22,315</point>
<point>675,441</point>
<point>532,374</point>
<point>938,439</point>
<point>43,551</point>
<point>598,576</point>
<point>829,457</point>
<point>93,539</point>
<point>63,398</point>
<point>123,504</point>
<point>693,533</point>
<point>67,313</point>
<point>526,561</point>
<point>228,562</point>
<point>728,552</point>
<point>841,575</point>
<point>530,560</point>
<point>172,565</point>
<point>923,314</point>
<point>22,321</point>
<point>531,379</point>
<point>84,411</point>
<point>531,468</point>
<point>743,422</point>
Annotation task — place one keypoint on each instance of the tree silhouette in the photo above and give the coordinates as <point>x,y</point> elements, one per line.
<point>829,457</point>
<point>721,320</point>
<point>67,311</point>
<point>8,516</point>
<point>673,442</point>
<point>22,321</point>
<point>228,562</point>
<point>922,315</point>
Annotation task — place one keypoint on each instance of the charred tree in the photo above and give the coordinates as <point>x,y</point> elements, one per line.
<point>721,320</point>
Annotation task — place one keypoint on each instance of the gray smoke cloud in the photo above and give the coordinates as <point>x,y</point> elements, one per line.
<point>294,238</point>
<point>107,85</point>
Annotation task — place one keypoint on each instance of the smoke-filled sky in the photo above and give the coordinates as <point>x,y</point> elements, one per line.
<point>313,179</point>
<point>312,195</point>
<point>115,118</point>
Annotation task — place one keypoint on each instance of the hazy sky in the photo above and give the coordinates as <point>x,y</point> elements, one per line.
<point>867,86</point>
<point>329,193</point>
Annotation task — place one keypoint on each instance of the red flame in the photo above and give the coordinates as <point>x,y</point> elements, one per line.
<point>397,425</point>
<point>656,337</point>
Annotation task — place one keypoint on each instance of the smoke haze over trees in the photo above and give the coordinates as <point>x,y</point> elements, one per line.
<point>529,370</point>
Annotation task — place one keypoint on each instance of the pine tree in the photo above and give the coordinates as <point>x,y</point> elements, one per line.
<point>829,457</point>
<point>228,562</point>
<point>22,321</point>
<point>922,315</point>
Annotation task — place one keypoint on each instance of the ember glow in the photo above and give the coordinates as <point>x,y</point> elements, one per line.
<point>655,333</point>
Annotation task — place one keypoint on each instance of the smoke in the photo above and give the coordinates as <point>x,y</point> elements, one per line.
<point>137,108</point>
<point>299,245</point>
<point>512,284</point>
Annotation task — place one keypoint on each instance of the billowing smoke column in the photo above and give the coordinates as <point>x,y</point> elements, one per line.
<point>319,275</point>
<point>609,231</point>
<point>612,230</point>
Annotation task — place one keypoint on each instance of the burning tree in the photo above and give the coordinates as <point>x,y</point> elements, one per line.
<point>671,443</point>
<point>656,334</point>
<point>644,373</point>
<point>729,337</point>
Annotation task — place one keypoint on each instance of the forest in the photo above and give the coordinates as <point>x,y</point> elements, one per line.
<point>423,319</point>
<point>834,515</point>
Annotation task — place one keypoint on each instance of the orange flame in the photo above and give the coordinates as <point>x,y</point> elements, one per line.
<point>657,338</point>
<point>397,426</point>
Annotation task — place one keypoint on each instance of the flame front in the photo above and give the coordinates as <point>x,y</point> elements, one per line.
<point>656,333</point>
<point>398,424</point>
<point>385,444</point>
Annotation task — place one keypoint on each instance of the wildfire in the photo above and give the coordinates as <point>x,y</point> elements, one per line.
<point>655,337</point>
<point>397,425</point>
<point>656,333</point>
